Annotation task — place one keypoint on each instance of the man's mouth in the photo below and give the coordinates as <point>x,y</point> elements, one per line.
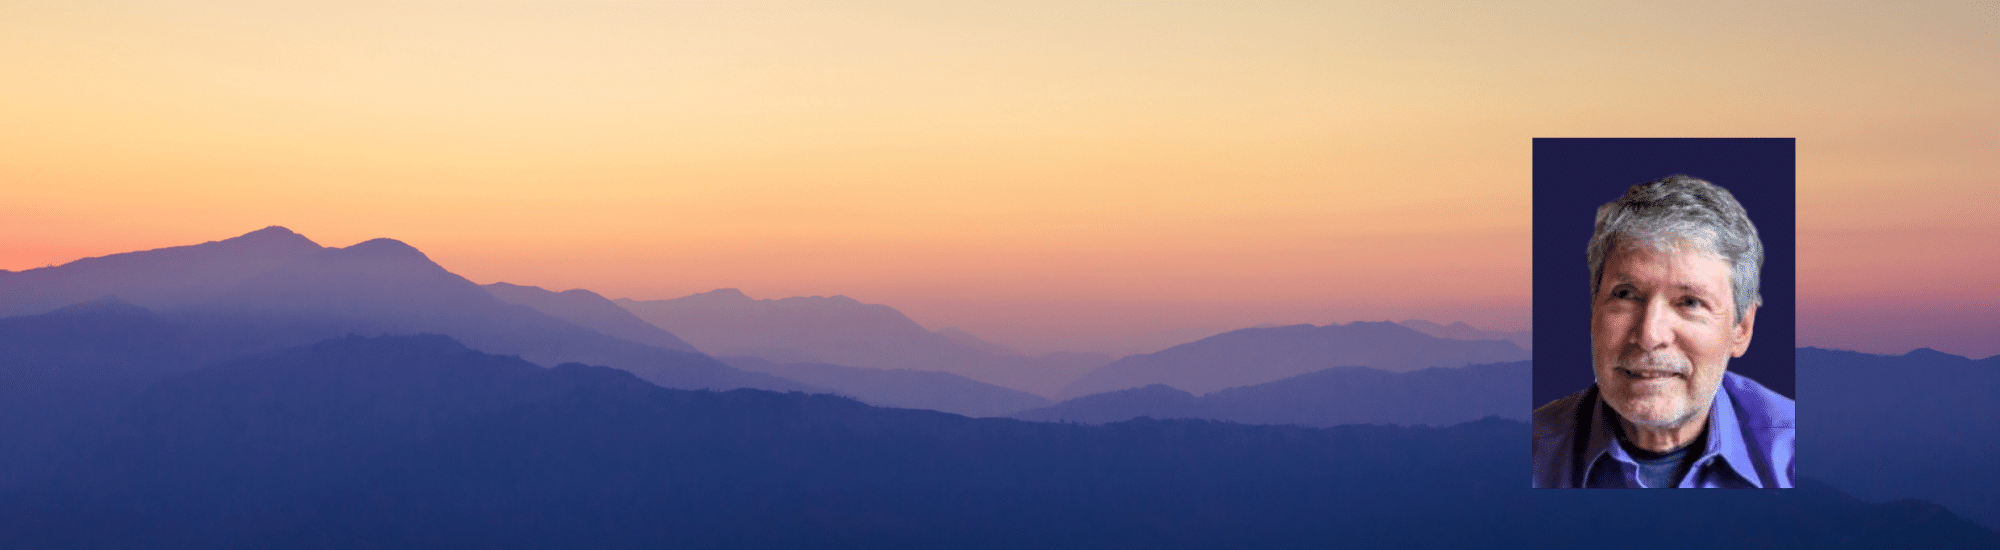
<point>1647,374</point>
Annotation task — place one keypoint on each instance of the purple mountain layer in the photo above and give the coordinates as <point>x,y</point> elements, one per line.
<point>273,288</point>
<point>157,279</point>
<point>1258,355</point>
<point>1924,425</point>
<point>843,331</point>
<point>1331,397</point>
<point>420,442</point>
<point>902,388</point>
<point>591,311</point>
<point>1458,330</point>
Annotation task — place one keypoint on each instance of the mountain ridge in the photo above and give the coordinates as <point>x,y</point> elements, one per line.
<point>1330,397</point>
<point>1923,424</point>
<point>843,331</point>
<point>272,288</point>
<point>590,310</point>
<point>420,442</point>
<point>199,272</point>
<point>1257,355</point>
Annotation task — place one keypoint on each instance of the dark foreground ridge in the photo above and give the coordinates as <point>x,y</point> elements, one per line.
<point>419,442</point>
<point>1925,425</point>
<point>1331,397</point>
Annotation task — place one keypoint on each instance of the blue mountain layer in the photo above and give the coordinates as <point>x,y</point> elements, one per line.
<point>419,442</point>
<point>1923,425</point>
<point>1330,397</point>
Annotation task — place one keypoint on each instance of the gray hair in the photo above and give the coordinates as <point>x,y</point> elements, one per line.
<point>1679,210</point>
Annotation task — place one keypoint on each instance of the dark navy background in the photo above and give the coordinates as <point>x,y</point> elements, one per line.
<point>1573,176</point>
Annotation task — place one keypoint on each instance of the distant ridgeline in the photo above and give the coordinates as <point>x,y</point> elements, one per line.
<point>1923,425</point>
<point>264,391</point>
<point>1331,397</point>
<point>420,442</point>
<point>273,288</point>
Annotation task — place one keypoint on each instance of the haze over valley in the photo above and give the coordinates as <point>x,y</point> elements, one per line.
<point>170,390</point>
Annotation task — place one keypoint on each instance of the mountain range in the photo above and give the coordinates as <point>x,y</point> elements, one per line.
<point>68,371</point>
<point>266,391</point>
<point>1923,425</point>
<point>418,441</point>
<point>1330,397</point>
<point>1258,355</point>
<point>589,310</point>
<point>1459,330</point>
<point>272,288</point>
<point>843,331</point>
<point>164,278</point>
<point>901,388</point>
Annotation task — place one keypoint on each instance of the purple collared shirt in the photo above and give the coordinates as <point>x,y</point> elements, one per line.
<point>1751,439</point>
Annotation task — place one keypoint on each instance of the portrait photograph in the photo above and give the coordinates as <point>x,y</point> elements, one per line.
<point>1664,312</point>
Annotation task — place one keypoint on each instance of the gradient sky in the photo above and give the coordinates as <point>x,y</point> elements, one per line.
<point>1046,174</point>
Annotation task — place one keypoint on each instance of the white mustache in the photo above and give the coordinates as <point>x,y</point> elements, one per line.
<point>1655,364</point>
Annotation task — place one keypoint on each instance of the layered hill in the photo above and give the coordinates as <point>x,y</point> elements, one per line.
<point>68,371</point>
<point>1331,397</point>
<point>1924,425</point>
<point>273,288</point>
<point>1459,330</point>
<point>589,310</point>
<point>417,442</point>
<point>902,388</point>
<point>1258,355</point>
<point>164,278</point>
<point>843,331</point>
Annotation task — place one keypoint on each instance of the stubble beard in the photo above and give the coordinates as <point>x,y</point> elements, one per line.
<point>1626,403</point>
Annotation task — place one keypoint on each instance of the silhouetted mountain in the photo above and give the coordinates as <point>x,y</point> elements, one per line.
<point>1361,395</point>
<point>1331,397</point>
<point>1155,401</point>
<point>1258,355</point>
<point>416,442</point>
<point>65,372</point>
<point>589,310</point>
<point>157,279</point>
<point>901,388</point>
<point>1923,425</point>
<point>970,340</point>
<point>202,450</point>
<point>273,288</point>
<point>1458,330</point>
<point>842,331</point>
<point>383,286</point>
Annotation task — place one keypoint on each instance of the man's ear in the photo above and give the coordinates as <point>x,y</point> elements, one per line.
<point>1740,334</point>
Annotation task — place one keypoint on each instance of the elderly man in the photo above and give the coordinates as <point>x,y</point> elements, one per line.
<point>1674,270</point>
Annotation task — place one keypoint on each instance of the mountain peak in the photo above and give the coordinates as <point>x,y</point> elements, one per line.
<point>275,237</point>
<point>1928,353</point>
<point>511,286</point>
<point>271,231</point>
<point>386,248</point>
<point>581,293</point>
<point>727,294</point>
<point>1373,327</point>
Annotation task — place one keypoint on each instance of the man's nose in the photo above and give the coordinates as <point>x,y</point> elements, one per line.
<point>1655,328</point>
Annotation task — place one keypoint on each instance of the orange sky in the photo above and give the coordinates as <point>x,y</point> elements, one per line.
<point>1030,171</point>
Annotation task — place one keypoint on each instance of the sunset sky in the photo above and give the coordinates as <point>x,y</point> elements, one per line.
<point>1050,175</point>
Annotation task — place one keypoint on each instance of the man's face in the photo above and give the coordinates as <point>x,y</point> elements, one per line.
<point>1663,328</point>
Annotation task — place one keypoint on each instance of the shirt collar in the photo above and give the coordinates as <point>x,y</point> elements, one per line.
<point>1725,437</point>
<point>1724,442</point>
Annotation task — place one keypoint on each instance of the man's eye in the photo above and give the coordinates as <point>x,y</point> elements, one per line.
<point>1690,303</point>
<point>1623,293</point>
